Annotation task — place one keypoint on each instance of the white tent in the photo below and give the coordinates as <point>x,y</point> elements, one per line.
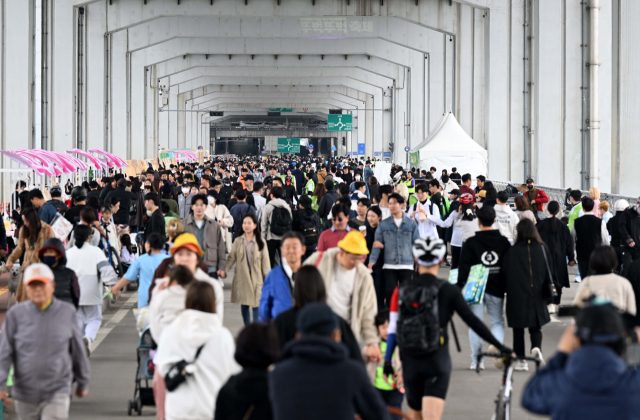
<point>450,146</point>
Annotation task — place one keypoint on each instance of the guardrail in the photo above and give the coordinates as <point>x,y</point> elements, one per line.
<point>559,194</point>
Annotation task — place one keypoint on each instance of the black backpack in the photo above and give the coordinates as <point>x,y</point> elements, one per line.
<point>310,230</point>
<point>280,221</point>
<point>418,326</point>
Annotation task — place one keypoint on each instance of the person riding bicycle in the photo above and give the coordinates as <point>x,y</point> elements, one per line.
<point>587,379</point>
<point>422,334</point>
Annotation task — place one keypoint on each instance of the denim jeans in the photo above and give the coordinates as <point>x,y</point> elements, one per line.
<point>495,309</point>
<point>246,315</point>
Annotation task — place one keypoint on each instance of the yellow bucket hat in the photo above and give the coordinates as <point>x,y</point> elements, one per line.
<point>354,243</point>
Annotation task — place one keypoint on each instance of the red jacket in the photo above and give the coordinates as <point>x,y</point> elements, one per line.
<point>541,199</point>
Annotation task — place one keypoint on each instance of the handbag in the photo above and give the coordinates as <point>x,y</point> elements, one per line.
<point>61,227</point>
<point>550,290</point>
<point>180,371</point>
<point>476,284</point>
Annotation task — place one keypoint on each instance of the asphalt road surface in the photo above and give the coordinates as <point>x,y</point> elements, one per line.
<point>113,364</point>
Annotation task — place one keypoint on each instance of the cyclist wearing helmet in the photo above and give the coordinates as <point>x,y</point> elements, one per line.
<point>587,379</point>
<point>422,334</point>
<point>56,200</point>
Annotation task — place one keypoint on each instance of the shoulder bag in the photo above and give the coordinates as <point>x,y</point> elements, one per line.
<point>180,371</point>
<point>550,290</point>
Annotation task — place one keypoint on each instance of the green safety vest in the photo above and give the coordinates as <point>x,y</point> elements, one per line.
<point>411,189</point>
<point>311,187</point>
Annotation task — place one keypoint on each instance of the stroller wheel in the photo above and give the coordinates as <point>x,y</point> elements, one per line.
<point>139,407</point>
<point>131,406</point>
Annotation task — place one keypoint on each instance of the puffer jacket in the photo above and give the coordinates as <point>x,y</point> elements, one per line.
<point>67,287</point>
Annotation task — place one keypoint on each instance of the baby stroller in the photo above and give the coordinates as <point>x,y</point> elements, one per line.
<point>143,393</point>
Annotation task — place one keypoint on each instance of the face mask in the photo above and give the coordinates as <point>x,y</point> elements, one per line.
<point>49,260</point>
<point>210,199</point>
<point>530,187</point>
<point>357,177</point>
<point>149,213</point>
<point>173,171</point>
<point>185,191</point>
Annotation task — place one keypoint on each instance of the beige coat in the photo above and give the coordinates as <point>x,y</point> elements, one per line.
<point>612,287</point>
<point>247,287</point>
<point>364,306</point>
<point>30,253</point>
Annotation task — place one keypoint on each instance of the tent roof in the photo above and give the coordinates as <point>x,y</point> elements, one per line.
<point>449,138</point>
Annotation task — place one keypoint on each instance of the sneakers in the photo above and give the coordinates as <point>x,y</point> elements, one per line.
<point>521,366</point>
<point>577,279</point>
<point>552,308</point>
<point>87,345</point>
<point>497,362</point>
<point>536,352</point>
<point>474,366</point>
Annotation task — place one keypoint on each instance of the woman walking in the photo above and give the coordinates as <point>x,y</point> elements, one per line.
<point>197,335</point>
<point>555,234</point>
<point>221,215</point>
<point>527,279</point>
<point>33,235</point>
<point>251,258</point>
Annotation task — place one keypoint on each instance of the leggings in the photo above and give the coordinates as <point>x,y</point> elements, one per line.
<point>455,256</point>
<point>535,334</point>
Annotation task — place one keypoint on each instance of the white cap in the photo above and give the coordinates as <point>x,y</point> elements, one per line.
<point>621,204</point>
<point>38,272</point>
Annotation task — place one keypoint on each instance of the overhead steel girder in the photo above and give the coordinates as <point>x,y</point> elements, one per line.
<point>275,95</point>
<point>401,32</point>
<point>368,63</point>
<point>285,99</point>
<point>234,80</point>
<point>178,47</point>
<point>355,74</point>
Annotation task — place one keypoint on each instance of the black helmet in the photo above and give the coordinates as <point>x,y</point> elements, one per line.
<point>55,190</point>
<point>78,193</point>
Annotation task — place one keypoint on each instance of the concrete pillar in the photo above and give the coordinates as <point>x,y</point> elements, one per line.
<point>604,96</point>
<point>95,77</point>
<point>368,125</point>
<point>516,98</point>
<point>118,105</point>
<point>182,119</point>
<point>173,117</point>
<point>163,119</point>
<point>139,147</point>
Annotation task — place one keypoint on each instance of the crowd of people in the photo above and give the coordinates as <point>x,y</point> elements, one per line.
<point>335,275</point>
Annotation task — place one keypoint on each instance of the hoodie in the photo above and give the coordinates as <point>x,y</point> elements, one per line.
<point>592,383</point>
<point>506,222</point>
<point>486,248</point>
<point>316,381</point>
<point>195,398</point>
<point>67,288</point>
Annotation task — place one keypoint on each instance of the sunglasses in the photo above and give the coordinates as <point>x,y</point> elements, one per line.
<point>340,219</point>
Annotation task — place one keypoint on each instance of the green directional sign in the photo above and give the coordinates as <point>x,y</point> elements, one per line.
<point>280,109</point>
<point>339,122</point>
<point>288,145</point>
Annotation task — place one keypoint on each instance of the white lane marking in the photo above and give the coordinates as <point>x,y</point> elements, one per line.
<point>114,320</point>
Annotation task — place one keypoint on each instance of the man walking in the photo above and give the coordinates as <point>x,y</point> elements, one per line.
<point>506,219</point>
<point>588,233</point>
<point>209,235</point>
<point>184,200</point>
<point>276,220</point>
<point>41,339</point>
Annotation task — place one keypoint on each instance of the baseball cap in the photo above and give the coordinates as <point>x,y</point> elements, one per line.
<point>186,184</point>
<point>38,272</point>
<point>530,181</point>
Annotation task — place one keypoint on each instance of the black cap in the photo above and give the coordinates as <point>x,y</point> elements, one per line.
<point>317,319</point>
<point>530,181</point>
<point>186,184</point>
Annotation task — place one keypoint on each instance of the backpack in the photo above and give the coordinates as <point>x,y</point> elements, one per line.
<point>310,230</point>
<point>280,221</point>
<point>418,326</point>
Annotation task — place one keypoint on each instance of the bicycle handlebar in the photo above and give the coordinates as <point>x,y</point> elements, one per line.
<point>507,356</point>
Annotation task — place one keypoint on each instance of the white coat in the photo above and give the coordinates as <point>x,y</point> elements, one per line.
<point>195,398</point>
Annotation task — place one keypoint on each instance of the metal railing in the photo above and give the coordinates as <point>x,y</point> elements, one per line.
<point>560,194</point>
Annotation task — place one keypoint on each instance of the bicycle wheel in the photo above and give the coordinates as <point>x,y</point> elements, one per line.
<point>115,262</point>
<point>501,407</point>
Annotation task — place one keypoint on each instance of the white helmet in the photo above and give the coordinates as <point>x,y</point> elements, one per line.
<point>621,205</point>
<point>429,251</point>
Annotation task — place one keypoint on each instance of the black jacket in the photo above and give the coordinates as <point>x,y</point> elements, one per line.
<point>613,226</point>
<point>122,216</point>
<point>326,203</point>
<point>316,381</point>
<point>67,287</point>
<point>630,227</point>
<point>286,326</point>
<point>373,190</point>
<point>633,275</point>
<point>588,232</point>
<point>486,248</point>
<point>225,196</point>
<point>103,194</point>
<point>59,206</point>
<point>560,246</point>
<point>94,193</point>
<point>525,274</point>
<point>73,214</point>
<point>249,388</point>
<point>307,217</point>
<point>155,224</point>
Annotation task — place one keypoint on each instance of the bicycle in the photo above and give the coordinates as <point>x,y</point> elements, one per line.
<point>114,261</point>
<point>503,400</point>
